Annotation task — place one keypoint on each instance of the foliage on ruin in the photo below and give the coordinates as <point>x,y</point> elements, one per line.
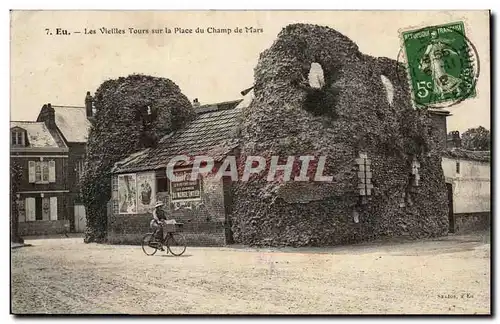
<point>132,113</point>
<point>353,112</point>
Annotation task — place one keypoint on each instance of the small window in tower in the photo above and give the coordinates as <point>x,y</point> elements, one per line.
<point>458,167</point>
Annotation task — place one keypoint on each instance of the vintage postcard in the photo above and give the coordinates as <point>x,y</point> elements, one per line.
<point>250,162</point>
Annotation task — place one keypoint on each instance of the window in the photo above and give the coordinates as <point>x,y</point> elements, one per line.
<point>39,209</point>
<point>42,171</point>
<point>17,138</point>
<point>457,166</point>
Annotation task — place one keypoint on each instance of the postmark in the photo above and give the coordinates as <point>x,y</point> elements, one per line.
<point>442,65</point>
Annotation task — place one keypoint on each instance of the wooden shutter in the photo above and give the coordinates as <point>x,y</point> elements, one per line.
<point>53,208</point>
<point>52,171</point>
<point>30,209</point>
<point>31,167</point>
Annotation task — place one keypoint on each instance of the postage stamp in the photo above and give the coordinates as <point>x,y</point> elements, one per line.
<point>442,64</point>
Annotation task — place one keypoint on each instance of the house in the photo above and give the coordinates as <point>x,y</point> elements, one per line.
<point>43,197</point>
<point>468,179</point>
<point>73,124</point>
<point>202,205</point>
<point>51,151</point>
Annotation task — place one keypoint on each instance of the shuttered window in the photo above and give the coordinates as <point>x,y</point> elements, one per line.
<point>42,171</point>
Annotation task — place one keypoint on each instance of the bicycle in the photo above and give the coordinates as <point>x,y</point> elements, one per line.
<point>173,240</point>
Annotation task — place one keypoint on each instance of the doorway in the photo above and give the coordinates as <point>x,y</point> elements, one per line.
<point>451,215</point>
<point>80,219</point>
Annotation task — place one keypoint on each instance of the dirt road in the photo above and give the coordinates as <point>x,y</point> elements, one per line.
<point>450,275</point>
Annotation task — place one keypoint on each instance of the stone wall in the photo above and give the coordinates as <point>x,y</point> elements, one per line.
<point>470,222</point>
<point>44,227</point>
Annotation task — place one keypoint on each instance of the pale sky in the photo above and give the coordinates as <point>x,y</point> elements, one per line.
<point>210,67</point>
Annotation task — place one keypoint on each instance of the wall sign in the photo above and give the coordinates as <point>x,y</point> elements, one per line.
<point>186,189</point>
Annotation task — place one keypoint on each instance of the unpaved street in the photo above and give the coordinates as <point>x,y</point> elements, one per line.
<point>449,275</point>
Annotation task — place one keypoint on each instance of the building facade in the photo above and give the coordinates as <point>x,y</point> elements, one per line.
<point>203,205</point>
<point>43,191</point>
<point>51,153</point>
<point>467,176</point>
<point>73,124</point>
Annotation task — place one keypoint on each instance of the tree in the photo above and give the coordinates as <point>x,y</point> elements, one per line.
<point>476,139</point>
<point>15,178</point>
<point>132,113</point>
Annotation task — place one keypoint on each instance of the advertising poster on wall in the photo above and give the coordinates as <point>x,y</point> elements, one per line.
<point>127,197</point>
<point>145,191</point>
<point>185,189</point>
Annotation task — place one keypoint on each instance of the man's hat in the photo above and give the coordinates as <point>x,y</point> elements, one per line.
<point>158,204</point>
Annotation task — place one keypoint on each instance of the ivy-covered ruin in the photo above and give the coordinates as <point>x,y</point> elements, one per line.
<point>361,108</point>
<point>132,113</point>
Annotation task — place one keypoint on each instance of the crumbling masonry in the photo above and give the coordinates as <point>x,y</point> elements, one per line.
<point>361,110</point>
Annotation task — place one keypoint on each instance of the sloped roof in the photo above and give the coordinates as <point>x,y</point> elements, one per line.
<point>73,123</point>
<point>218,106</point>
<point>211,134</point>
<point>38,134</point>
<point>459,153</point>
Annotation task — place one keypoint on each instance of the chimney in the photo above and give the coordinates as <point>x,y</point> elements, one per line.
<point>89,105</point>
<point>439,133</point>
<point>196,103</point>
<point>47,115</point>
<point>454,141</point>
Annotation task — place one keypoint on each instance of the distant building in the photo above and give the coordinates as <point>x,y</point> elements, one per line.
<point>51,152</point>
<point>468,178</point>
<point>73,124</point>
<point>43,192</point>
<point>453,140</point>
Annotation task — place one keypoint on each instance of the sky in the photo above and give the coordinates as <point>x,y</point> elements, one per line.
<point>212,67</point>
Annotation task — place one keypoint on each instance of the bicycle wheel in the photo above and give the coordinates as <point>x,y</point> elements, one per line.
<point>149,244</point>
<point>176,244</point>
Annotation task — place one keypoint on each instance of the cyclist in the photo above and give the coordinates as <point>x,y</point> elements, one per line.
<point>159,219</point>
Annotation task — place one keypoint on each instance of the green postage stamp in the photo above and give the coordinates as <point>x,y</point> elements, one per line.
<point>442,64</point>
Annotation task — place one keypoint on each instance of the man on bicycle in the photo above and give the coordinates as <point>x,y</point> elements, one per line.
<point>159,219</point>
